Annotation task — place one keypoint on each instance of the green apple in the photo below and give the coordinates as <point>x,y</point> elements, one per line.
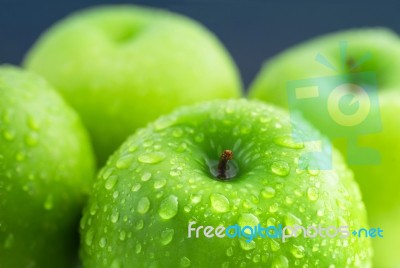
<point>46,170</point>
<point>169,177</point>
<point>376,51</point>
<point>121,67</point>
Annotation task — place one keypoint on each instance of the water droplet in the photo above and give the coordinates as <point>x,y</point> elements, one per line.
<point>139,225</point>
<point>146,176</point>
<point>115,194</point>
<point>297,251</point>
<point>313,172</point>
<point>102,242</point>
<point>288,200</point>
<point>229,252</point>
<point>138,248</point>
<point>93,209</point>
<point>168,207</point>
<point>114,216</point>
<point>48,204</point>
<point>89,237</point>
<point>151,158</point>
<point>8,134</point>
<point>32,139</point>
<point>185,262</point>
<point>20,156</point>
<point>110,182</point>
<point>164,123</point>
<point>136,187</point>
<point>9,241</point>
<point>280,168</point>
<point>166,236</point>
<point>195,198</point>
<point>268,192</point>
<point>292,220</point>
<point>219,202</point>
<point>132,148</point>
<point>143,205</point>
<point>177,133</point>
<point>248,219</point>
<point>312,193</point>
<point>280,262</point>
<point>275,245</point>
<point>288,142</point>
<point>122,235</point>
<point>124,162</point>
<point>273,208</point>
<point>159,183</point>
<point>247,246</point>
<point>199,137</point>
<point>33,124</point>
<point>175,171</point>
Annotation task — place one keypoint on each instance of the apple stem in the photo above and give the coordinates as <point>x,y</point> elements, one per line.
<point>223,161</point>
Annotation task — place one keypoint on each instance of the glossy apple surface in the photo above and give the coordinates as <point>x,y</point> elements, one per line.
<point>165,176</point>
<point>123,66</point>
<point>46,170</point>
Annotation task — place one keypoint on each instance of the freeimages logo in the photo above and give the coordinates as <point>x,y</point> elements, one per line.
<point>345,105</point>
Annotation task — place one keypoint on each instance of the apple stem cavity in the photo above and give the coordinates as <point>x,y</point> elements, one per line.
<point>223,163</point>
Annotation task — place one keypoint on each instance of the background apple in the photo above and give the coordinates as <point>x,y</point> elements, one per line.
<point>367,50</point>
<point>46,169</point>
<point>166,175</point>
<point>123,66</point>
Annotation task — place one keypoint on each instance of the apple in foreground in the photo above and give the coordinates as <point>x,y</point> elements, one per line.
<point>123,66</point>
<point>46,170</point>
<point>220,163</point>
<point>368,50</point>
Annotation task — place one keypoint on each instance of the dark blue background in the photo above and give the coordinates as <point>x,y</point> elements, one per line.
<point>251,30</point>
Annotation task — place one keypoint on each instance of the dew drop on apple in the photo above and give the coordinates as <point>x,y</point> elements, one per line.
<point>185,262</point>
<point>313,172</point>
<point>8,135</point>
<point>31,139</point>
<point>143,205</point>
<point>151,158</point>
<point>122,235</point>
<point>48,204</point>
<point>297,251</point>
<point>280,168</point>
<point>168,207</point>
<point>32,123</point>
<point>268,192</point>
<point>114,216</point>
<point>139,224</point>
<point>138,248</point>
<point>166,236</point>
<point>110,182</point>
<point>146,176</point>
<point>136,187</point>
<point>280,262</point>
<point>273,208</point>
<point>9,241</point>
<point>248,219</point>
<point>159,183</point>
<point>219,202</point>
<point>199,137</point>
<point>20,156</point>
<point>93,208</point>
<point>288,142</point>
<point>312,193</point>
<point>291,220</point>
<point>89,237</point>
<point>247,245</point>
<point>274,245</point>
<point>229,252</point>
<point>195,198</point>
<point>102,242</point>
<point>124,162</point>
<point>164,123</point>
<point>177,132</point>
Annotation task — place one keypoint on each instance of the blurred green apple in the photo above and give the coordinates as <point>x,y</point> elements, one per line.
<point>377,53</point>
<point>167,176</point>
<point>123,66</point>
<point>46,170</point>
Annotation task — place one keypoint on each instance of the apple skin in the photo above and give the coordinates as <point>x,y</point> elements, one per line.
<point>123,66</point>
<point>46,171</point>
<point>160,179</point>
<point>378,183</point>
